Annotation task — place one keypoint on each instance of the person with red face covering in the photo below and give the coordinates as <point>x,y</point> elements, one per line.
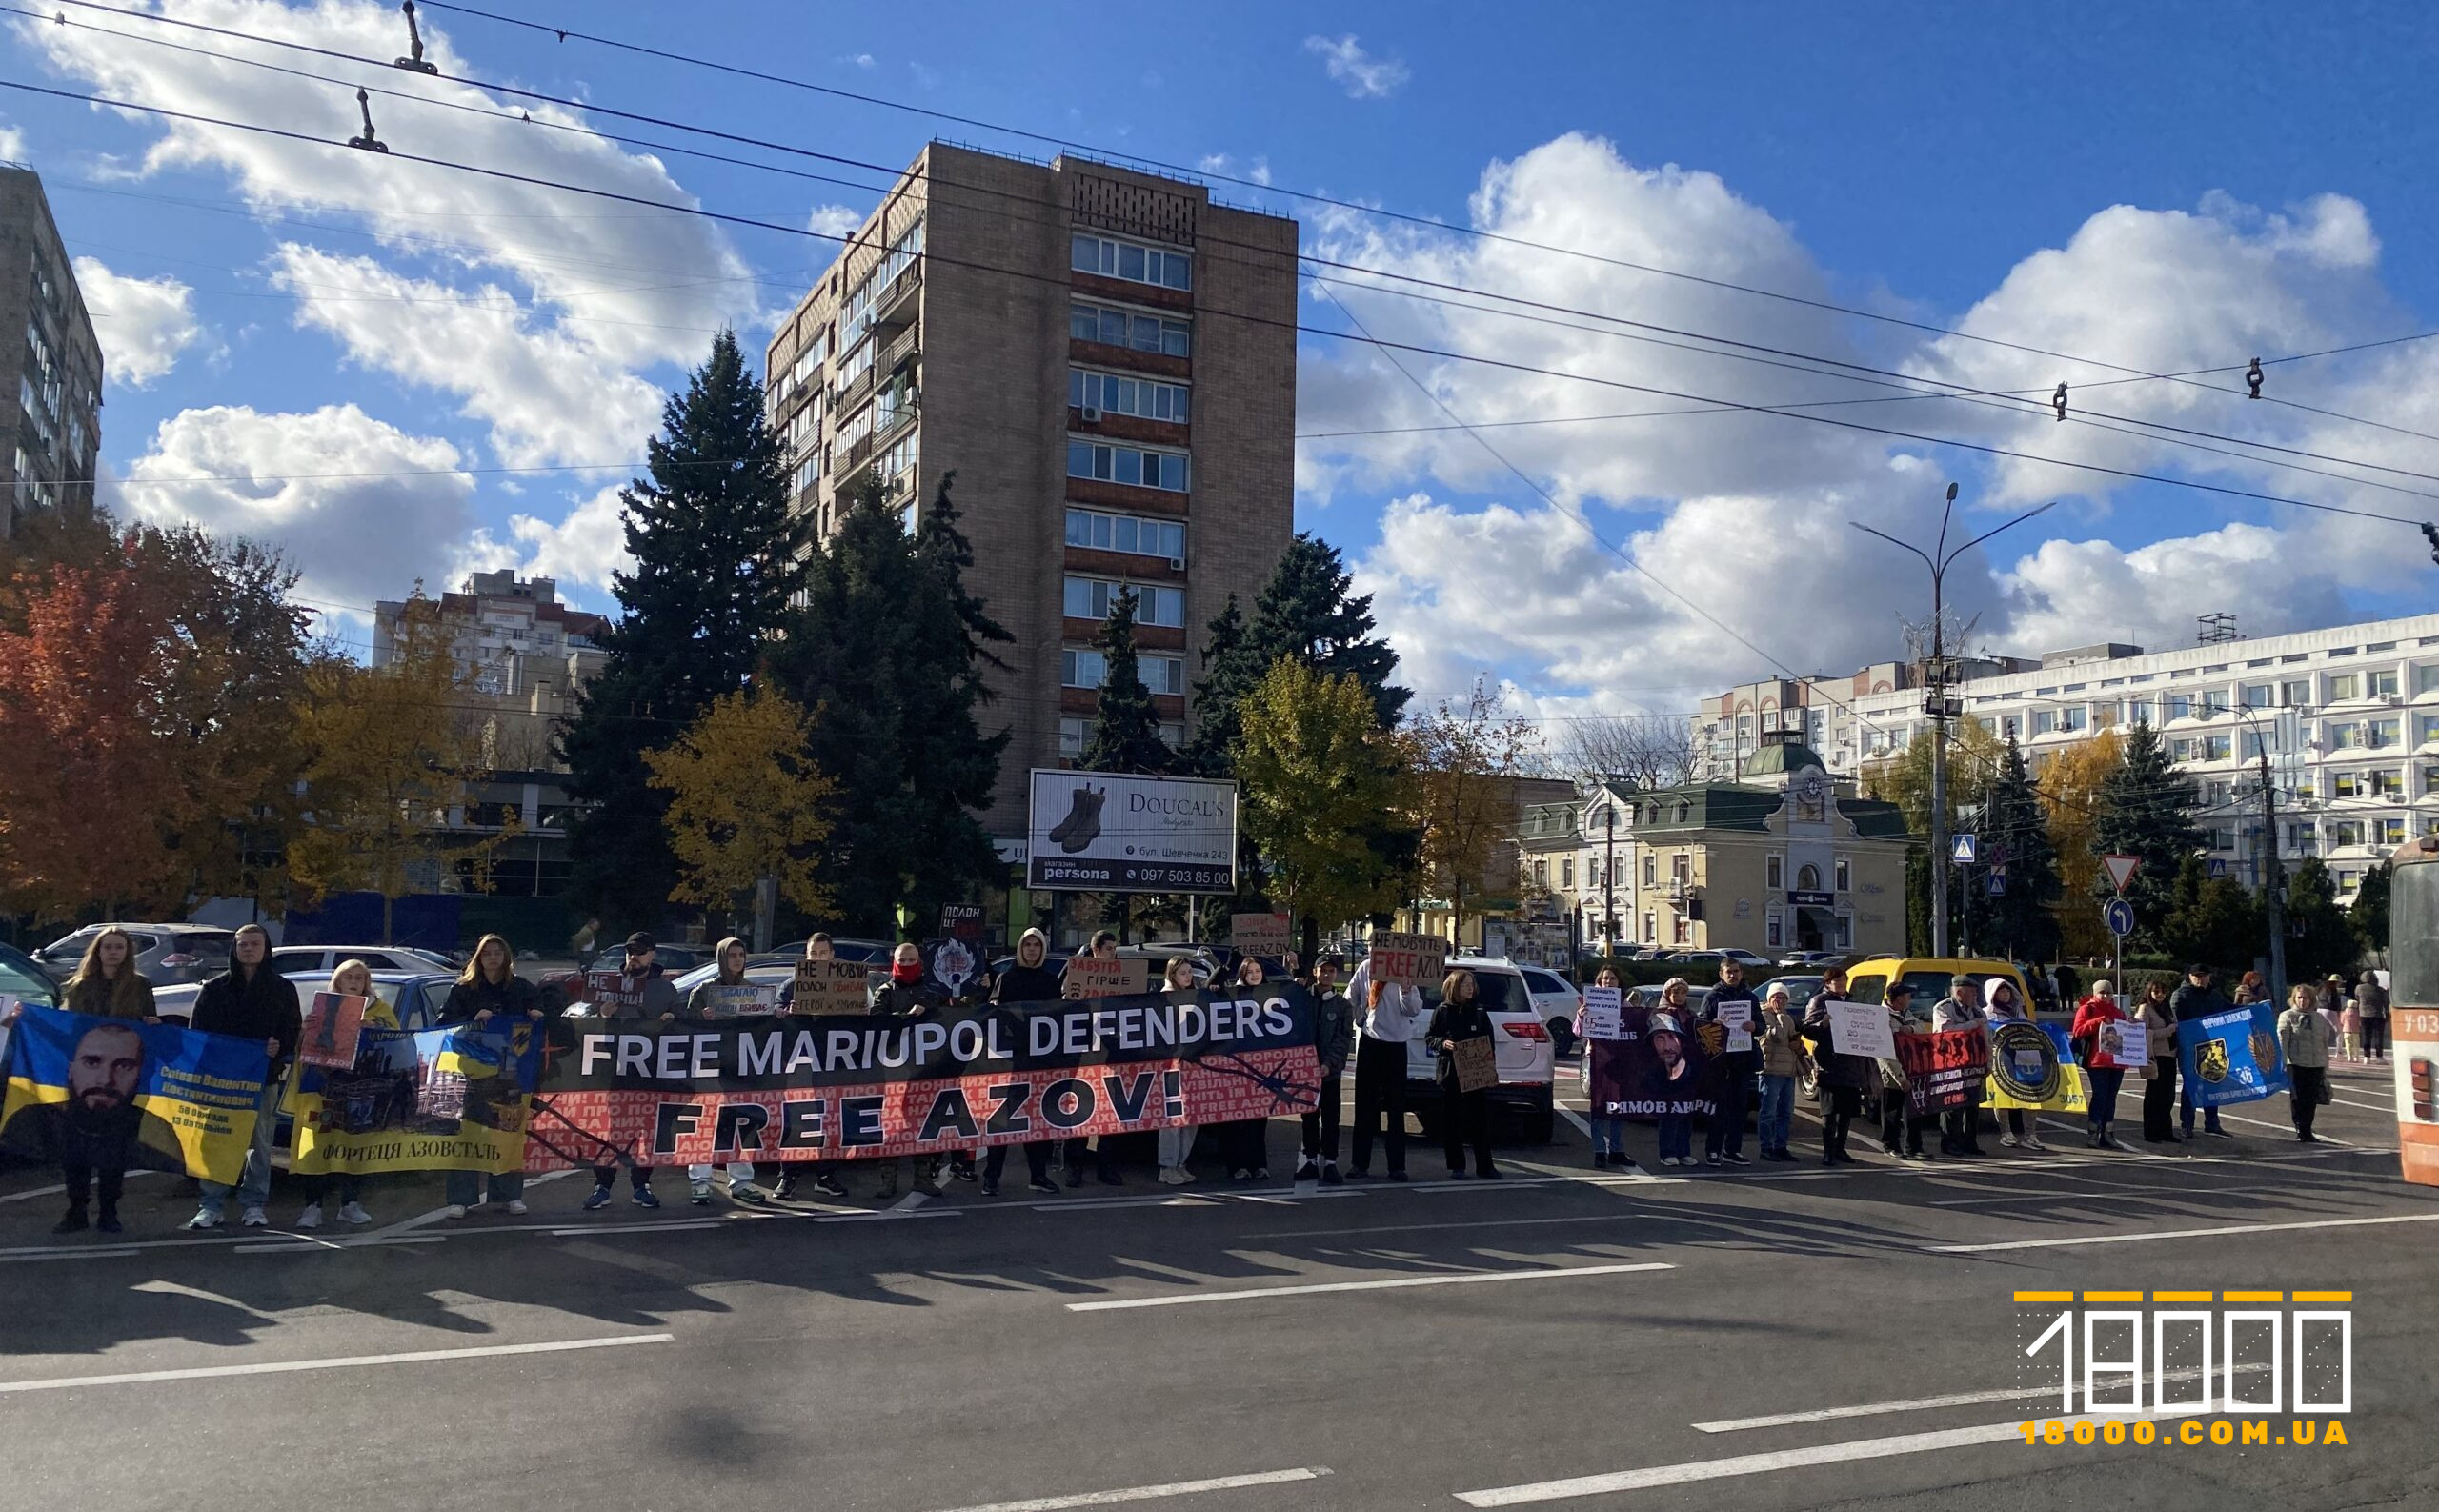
<point>907,995</point>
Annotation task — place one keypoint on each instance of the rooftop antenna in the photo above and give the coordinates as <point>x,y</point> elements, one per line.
<point>414,43</point>
<point>368,141</point>
<point>2216,630</point>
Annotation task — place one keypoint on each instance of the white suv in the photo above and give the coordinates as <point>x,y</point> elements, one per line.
<point>1519,1036</point>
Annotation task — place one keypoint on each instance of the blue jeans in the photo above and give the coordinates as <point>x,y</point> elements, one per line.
<point>1675,1137</point>
<point>1608,1136</point>
<point>1778,1112</point>
<point>253,1184</point>
<point>2185,1111</point>
<point>465,1188</point>
<point>2102,1096</point>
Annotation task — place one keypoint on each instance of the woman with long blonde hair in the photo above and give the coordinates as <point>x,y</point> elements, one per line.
<point>352,978</point>
<point>489,988</point>
<point>105,982</point>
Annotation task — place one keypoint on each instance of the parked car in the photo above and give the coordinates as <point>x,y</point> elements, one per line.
<point>568,986</point>
<point>1799,959</point>
<point>1692,957</point>
<point>164,953</point>
<point>763,972</point>
<point>1752,962</point>
<point>1649,997</point>
<point>1519,1037</point>
<point>1556,1000</point>
<point>418,996</point>
<point>22,977</point>
<point>842,947</point>
<point>379,958</point>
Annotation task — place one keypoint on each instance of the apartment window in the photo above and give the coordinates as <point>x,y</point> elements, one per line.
<point>1777,868</point>
<point>2220,837</point>
<point>2143,711</point>
<point>2071,718</point>
<point>1072,735</point>
<point>2180,706</point>
<point>2216,748</point>
<point>1566,871</point>
<point>2185,750</point>
<point>1145,398</point>
<point>1651,929</point>
<point>2214,702</point>
<point>1087,669</point>
<point>2379,732</point>
<point>2430,782</point>
<point>1091,599</point>
<point>896,459</point>
<point>2043,720</point>
<point>1127,464</point>
<point>808,473</point>
<point>1130,329</point>
<point>2343,685</point>
<point>2426,678</point>
<point>2345,832</point>
<point>2297,691</point>
<point>857,363</point>
<point>2346,736</point>
<point>2386,781</point>
<point>860,306</point>
<point>2011,726</point>
<point>1541,873</point>
<point>2388,832</point>
<point>2249,745</point>
<point>1652,863</point>
<point>1128,260</point>
<point>1126,532</point>
<point>1775,933</point>
<point>2380,684</point>
<point>2348,785</point>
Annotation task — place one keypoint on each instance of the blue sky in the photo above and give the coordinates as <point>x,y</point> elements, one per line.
<point>2158,186</point>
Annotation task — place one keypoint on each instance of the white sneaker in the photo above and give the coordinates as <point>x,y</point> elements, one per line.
<point>453,1210</point>
<point>2032,1142</point>
<point>254,1218</point>
<point>517,1207</point>
<point>2008,1141</point>
<point>311,1218</point>
<point>1171,1175</point>
<point>354,1213</point>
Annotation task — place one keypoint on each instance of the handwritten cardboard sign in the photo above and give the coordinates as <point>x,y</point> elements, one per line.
<point>334,1031</point>
<point>1477,1062</point>
<point>741,999</point>
<point>832,987</point>
<point>1090,976</point>
<point>1259,933</point>
<point>1409,960</point>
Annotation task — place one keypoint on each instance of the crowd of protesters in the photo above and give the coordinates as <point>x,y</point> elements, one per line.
<point>1367,1028</point>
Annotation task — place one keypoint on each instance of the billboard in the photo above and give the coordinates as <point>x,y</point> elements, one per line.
<point>1100,832</point>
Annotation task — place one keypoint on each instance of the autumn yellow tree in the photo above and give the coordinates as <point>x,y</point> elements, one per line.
<point>2069,782</point>
<point>392,750</point>
<point>1320,785</point>
<point>746,802</point>
<point>1465,758</point>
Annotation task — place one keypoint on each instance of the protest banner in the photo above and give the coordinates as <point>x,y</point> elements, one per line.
<point>740,999</point>
<point>1943,1067</point>
<point>1408,960</point>
<point>1119,977</point>
<point>832,987</point>
<point>2125,1042</point>
<point>1641,1075</point>
<point>152,1096</point>
<point>2032,1066</point>
<point>1476,1061</point>
<point>870,1085</point>
<point>952,966</point>
<point>614,994</point>
<point>332,1027</point>
<point>1602,1006</point>
<point>1737,1018</point>
<point>1259,933</point>
<point>2231,1055</point>
<point>962,921</point>
<point>1861,1029</point>
<point>442,1099</point>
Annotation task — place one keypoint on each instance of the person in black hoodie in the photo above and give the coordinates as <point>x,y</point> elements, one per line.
<point>1843,1077</point>
<point>906,995</point>
<point>489,988</point>
<point>1464,1115</point>
<point>250,1001</point>
<point>639,994</point>
<point>1029,981</point>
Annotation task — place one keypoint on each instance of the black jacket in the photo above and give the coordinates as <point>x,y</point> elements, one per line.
<point>1023,983</point>
<point>257,1009</point>
<point>1450,1023</point>
<point>2190,1002</point>
<point>1837,1069</point>
<point>515,996</point>
<point>896,1001</point>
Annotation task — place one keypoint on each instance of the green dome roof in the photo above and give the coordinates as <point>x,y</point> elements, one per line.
<point>1780,759</point>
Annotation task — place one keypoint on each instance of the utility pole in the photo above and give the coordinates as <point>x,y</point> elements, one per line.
<point>2273,882</point>
<point>1609,877</point>
<point>1938,702</point>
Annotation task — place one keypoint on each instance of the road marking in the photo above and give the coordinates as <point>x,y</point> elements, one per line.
<point>1391,1283</point>
<point>1660,1475</point>
<point>2109,1194</point>
<point>1420,1228</point>
<point>1961,1398</point>
<point>2286,1129</point>
<point>2179,1233</point>
<point>345,1361</point>
<point>56,1190</point>
<point>1147,1493</point>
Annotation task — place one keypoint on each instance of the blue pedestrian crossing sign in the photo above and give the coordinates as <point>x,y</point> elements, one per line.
<point>2218,867</point>
<point>1964,849</point>
<point>2119,916</point>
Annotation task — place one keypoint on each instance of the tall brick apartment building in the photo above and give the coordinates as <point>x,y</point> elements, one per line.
<point>1107,361</point>
<point>50,420</point>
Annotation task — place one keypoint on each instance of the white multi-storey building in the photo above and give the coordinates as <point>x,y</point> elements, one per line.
<point>2348,718</point>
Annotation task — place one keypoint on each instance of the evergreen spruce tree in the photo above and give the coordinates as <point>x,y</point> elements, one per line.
<point>1126,727</point>
<point>2147,810</point>
<point>946,554</point>
<point>886,651</point>
<point>2320,939</point>
<point>2022,917</point>
<point>1305,612</point>
<point>717,555</point>
<point>1229,673</point>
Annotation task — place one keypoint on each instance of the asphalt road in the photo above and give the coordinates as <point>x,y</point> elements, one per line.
<point>1557,1339</point>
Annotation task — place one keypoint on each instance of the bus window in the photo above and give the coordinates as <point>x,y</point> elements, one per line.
<point>2413,935</point>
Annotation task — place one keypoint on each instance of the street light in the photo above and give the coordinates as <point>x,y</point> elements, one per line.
<point>1939,705</point>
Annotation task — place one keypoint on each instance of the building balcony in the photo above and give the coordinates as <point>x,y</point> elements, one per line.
<point>851,393</point>
<point>1127,291</point>
<point>1126,496</point>
<point>1106,355</point>
<point>1147,637</point>
<point>1129,427</point>
<point>897,306</point>
<point>895,353</point>
<point>1123,564</point>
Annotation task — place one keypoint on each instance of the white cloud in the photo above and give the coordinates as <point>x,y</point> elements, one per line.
<point>1363,76</point>
<point>548,397</point>
<point>310,485</point>
<point>861,60</point>
<point>585,546</point>
<point>12,144</point>
<point>142,323</point>
<point>834,220</point>
<point>1256,169</point>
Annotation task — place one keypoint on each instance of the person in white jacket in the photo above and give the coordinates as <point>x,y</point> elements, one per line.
<point>2024,1129</point>
<point>1387,1020</point>
<point>1960,1128</point>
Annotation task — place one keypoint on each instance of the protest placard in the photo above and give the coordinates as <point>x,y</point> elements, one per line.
<point>1861,1029</point>
<point>962,921</point>
<point>1408,960</point>
<point>1648,1073</point>
<point>1259,933</point>
<point>1602,1006</point>
<point>2122,1043</point>
<point>333,1027</point>
<point>832,987</point>
<point>1091,976</point>
<point>1943,1068</point>
<point>741,999</point>
<point>1737,1018</point>
<point>1477,1063</point>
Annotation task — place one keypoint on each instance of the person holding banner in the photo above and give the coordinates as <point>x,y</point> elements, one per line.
<point>1960,1128</point>
<point>1177,1145</point>
<point>1245,1142</point>
<point>2159,1085</point>
<point>1608,1135</point>
<point>825,1173</point>
<point>250,1001</point>
<point>908,995</point>
<point>1465,1117</point>
<point>635,994</point>
<point>1333,1039</point>
<point>2024,1129</point>
<point>106,983</point>
<point>354,979</point>
<point>1102,947</point>
<point>1844,1077</point>
<point>701,1004</point>
<point>488,988</point>
<point>2195,1000</point>
<point>2304,1039</point>
<point>1781,1041</point>
<point>2103,1061</point>
<point>1029,980</point>
<point>1732,1008</point>
<point>1900,1129</point>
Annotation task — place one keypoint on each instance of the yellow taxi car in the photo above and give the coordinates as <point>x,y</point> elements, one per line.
<point>1867,980</point>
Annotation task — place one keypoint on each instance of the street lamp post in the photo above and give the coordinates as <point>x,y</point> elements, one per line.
<point>1609,877</point>
<point>1936,703</point>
